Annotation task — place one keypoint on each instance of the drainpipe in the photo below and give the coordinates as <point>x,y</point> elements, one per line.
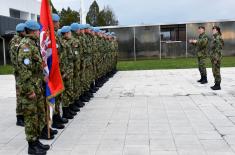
<point>4,50</point>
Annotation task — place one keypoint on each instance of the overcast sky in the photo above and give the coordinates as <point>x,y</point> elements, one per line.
<point>135,12</point>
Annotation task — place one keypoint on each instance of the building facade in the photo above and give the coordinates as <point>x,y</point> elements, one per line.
<point>13,12</point>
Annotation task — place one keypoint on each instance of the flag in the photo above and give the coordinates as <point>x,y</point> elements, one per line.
<point>49,53</point>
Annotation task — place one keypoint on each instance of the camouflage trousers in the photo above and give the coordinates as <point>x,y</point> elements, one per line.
<point>58,101</point>
<point>68,95</point>
<point>216,70</point>
<point>77,83</point>
<point>87,75</point>
<point>34,116</point>
<point>19,110</point>
<point>202,66</point>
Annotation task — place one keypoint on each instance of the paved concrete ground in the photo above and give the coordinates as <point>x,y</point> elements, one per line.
<point>139,113</point>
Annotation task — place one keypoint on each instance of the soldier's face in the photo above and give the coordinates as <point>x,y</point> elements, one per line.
<point>23,33</point>
<point>56,25</point>
<point>200,31</point>
<point>36,33</point>
<point>78,31</point>
<point>214,31</point>
<point>68,35</point>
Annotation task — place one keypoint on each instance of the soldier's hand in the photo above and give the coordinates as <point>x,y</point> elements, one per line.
<point>32,95</point>
<point>215,61</point>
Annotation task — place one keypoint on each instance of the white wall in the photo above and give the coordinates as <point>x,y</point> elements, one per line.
<point>26,6</point>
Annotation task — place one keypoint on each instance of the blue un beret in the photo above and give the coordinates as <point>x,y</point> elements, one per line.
<point>32,25</point>
<point>65,29</point>
<point>55,17</point>
<point>20,27</point>
<point>75,26</point>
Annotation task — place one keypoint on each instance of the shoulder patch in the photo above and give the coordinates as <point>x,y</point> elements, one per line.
<point>26,61</point>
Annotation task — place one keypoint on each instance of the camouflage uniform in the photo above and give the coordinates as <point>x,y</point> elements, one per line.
<point>66,64</point>
<point>216,56</point>
<point>202,49</point>
<point>77,51</point>
<point>31,80</point>
<point>14,45</point>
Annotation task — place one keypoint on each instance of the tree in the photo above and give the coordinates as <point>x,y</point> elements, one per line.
<point>92,15</point>
<point>107,17</point>
<point>69,16</point>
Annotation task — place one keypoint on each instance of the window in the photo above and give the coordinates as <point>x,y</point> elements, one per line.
<point>14,13</point>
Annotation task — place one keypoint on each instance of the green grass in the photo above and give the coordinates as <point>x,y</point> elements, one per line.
<point>178,63</point>
<point>4,70</point>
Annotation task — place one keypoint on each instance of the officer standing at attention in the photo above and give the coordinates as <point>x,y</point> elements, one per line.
<point>14,45</point>
<point>31,81</point>
<point>66,66</point>
<point>217,45</point>
<point>58,121</point>
<point>202,51</point>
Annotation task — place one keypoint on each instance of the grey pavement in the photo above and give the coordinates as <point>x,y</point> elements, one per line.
<point>159,112</point>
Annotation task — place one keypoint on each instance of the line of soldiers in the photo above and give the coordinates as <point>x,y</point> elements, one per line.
<point>212,47</point>
<point>88,58</point>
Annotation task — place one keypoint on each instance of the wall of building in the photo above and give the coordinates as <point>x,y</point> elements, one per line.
<point>27,8</point>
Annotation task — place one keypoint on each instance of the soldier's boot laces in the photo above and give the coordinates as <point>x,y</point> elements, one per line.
<point>216,86</point>
<point>42,146</point>
<point>20,120</point>
<point>35,149</point>
<point>204,80</point>
<point>66,113</point>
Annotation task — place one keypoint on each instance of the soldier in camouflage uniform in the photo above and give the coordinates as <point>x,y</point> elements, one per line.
<point>31,79</point>
<point>67,66</point>
<point>78,51</point>
<point>58,121</point>
<point>14,45</point>
<point>216,55</point>
<point>202,51</point>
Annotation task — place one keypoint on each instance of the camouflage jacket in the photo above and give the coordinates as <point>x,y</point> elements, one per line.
<point>202,45</point>
<point>14,45</point>
<point>30,66</point>
<point>77,50</point>
<point>216,47</point>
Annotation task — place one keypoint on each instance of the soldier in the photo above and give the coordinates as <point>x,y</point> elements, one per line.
<point>66,65</point>
<point>31,81</point>
<point>58,121</point>
<point>14,45</point>
<point>78,51</point>
<point>202,48</point>
<point>216,55</point>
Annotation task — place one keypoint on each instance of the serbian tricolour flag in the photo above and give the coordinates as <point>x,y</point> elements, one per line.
<point>49,54</point>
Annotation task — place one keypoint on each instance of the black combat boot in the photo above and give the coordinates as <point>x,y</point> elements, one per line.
<point>89,94</point>
<point>35,149</point>
<point>204,80</point>
<point>73,113</point>
<point>42,146</point>
<point>66,113</point>
<point>98,83</point>
<point>56,123</point>
<point>74,108</point>
<point>84,98</point>
<point>44,134</point>
<point>79,103</point>
<point>20,120</point>
<point>53,132</point>
<point>200,80</point>
<point>60,119</point>
<point>216,86</point>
